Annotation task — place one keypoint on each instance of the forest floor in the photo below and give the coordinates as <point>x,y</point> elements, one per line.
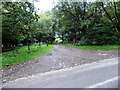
<point>59,58</point>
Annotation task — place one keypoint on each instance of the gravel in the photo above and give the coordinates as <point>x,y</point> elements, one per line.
<point>60,57</point>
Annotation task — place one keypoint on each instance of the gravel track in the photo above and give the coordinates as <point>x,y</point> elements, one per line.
<point>60,57</point>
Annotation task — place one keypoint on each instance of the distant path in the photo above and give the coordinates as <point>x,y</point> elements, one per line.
<point>103,74</point>
<point>60,57</point>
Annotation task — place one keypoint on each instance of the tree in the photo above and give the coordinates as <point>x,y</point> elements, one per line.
<point>17,18</point>
<point>44,31</point>
<point>89,23</point>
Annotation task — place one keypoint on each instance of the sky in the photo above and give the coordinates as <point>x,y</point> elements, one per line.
<point>44,5</point>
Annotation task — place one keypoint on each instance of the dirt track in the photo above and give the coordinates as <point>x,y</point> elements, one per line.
<point>60,57</point>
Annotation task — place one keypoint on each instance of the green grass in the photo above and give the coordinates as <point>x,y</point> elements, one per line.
<point>109,47</point>
<point>8,58</point>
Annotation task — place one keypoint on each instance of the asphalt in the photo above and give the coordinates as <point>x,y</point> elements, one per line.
<point>100,74</point>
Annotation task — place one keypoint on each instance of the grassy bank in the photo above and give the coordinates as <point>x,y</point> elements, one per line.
<point>109,47</point>
<point>8,58</point>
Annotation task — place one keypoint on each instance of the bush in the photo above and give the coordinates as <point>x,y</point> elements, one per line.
<point>99,36</point>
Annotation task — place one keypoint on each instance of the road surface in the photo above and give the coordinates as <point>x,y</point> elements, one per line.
<point>100,74</point>
<point>59,58</point>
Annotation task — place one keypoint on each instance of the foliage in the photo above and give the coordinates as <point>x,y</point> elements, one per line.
<point>78,23</point>
<point>44,28</point>
<point>22,55</point>
<point>107,47</point>
<point>84,23</point>
<point>17,18</point>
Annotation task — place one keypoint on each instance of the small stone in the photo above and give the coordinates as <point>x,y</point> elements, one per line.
<point>104,54</point>
<point>52,67</point>
<point>6,75</point>
<point>4,81</point>
<point>75,64</point>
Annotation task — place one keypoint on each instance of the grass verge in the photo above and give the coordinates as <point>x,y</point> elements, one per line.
<point>109,47</point>
<point>8,58</point>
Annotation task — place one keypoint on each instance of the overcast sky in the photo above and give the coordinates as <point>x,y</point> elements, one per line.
<point>45,5</point>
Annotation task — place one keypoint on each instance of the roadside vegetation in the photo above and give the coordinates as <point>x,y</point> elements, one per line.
<point>108,47</point>
<point>86,25</point>
<point>22,28</point>
<point>23,55</point>
<point>89,23</point>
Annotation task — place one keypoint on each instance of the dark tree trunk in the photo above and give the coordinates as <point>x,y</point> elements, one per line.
<point>39,44</point>
<point>28,46</point>
<point>62,37</point>
<point>47,42</point>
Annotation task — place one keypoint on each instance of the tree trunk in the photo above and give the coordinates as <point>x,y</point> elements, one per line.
<point>39,44</point>
<point>28,46</point>
<point>62,37</point>
<point>47,43</point>
<point>74,41</point>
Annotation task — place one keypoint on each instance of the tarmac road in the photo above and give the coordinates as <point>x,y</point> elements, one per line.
<point>100,74</point>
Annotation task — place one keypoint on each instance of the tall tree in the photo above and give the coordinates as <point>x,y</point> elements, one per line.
<point>16,20</point>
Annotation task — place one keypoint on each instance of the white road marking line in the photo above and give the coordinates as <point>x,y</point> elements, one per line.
<point>103,83</point>
<point>83,67</point>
